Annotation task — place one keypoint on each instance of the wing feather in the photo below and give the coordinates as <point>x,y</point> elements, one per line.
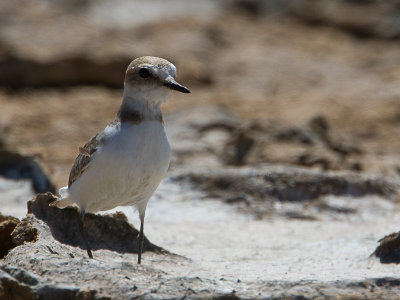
<point>83,159</point>
<point>85,156</point>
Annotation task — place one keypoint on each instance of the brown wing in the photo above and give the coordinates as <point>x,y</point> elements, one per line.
<point>83,159</point>
<point>86,153</point>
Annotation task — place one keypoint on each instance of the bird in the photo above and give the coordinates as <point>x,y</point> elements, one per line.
<point>124,164</point>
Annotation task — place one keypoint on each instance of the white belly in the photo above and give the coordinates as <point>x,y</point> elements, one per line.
<point>126,170</point>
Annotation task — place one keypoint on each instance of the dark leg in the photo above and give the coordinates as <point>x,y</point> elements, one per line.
<point>81,219</point>
<point>141,237</point>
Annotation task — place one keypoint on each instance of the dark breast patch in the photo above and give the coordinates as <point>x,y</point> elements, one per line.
<point>131,116</point>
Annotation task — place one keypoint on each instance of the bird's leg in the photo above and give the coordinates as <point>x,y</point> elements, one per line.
<point>141,237</point>
<point>81,219</point>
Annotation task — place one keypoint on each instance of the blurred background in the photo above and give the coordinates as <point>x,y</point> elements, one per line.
<point>313,83</point>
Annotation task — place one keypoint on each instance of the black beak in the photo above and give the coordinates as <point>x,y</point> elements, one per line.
<point>173,85</point>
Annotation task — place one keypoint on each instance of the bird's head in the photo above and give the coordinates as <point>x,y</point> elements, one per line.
<point>151,79</point>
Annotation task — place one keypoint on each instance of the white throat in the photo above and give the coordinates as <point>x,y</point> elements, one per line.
<point>147,101</point>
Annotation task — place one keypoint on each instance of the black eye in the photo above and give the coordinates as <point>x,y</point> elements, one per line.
<point>144,73</point>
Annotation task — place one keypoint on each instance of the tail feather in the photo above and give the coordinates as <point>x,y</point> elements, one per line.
<point>64,193</point>
<point>65,199</point>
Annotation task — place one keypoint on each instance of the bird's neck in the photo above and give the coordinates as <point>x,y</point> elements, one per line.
<point>136,110</point>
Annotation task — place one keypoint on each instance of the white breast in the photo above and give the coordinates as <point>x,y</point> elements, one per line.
<point>126,170</point>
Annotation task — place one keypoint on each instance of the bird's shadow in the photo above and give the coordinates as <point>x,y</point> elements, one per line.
<point>112,232</point>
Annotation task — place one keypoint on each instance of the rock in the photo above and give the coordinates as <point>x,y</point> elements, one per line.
<point>372,18</point>
<point>16,166</point>
<point>13,233</point>
<point>287,183</point>
<point>199,136</point>
<point>53,264</point>
<point>322,145</point>
<point>7,225</point>
<point>259,8</point>
<point>293,134</point>
<point>92,281</point>
<point>237,148</point>
<point>342,146</point>
<point>211,136</point>
<point>23,232</point>
<point>18,72</point>
<point>255,189</point>
<point>11,288</point>
<point>52,268</point>
<point>21,176</point>
<point>310,159</point>
<point>63,58</point>
<point>111,232</point>
<point>388,250</point>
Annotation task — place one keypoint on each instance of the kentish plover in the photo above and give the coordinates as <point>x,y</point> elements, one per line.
<point>125,163</point>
